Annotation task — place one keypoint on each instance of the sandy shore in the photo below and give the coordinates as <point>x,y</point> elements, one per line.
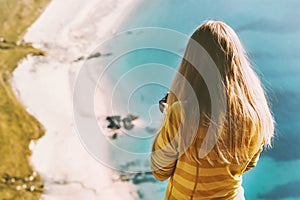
<point>67,30</point>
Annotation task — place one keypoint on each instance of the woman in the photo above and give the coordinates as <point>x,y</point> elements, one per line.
<point>218,119</point>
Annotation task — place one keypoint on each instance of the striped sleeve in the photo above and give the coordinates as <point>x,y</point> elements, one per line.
<point>254,160</point>
<point>164,150</point>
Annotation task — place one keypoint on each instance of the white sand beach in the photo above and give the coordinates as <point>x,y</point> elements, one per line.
<point>67,30</point>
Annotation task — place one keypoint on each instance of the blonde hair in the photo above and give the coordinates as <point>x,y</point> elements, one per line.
<point>248,122</point>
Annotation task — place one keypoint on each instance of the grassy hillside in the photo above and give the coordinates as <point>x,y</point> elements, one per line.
<point>17,127</point>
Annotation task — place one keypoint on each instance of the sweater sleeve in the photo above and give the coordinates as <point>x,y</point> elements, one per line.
<point>164,150</point>
<point>254,160</point>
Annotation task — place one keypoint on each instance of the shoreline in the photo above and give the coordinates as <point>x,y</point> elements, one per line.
<point>44,85</point>
<point>17,126</point>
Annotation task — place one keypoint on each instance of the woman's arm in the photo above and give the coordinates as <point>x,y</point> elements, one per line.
<point>164,150</point>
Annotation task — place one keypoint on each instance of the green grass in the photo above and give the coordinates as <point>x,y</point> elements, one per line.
<point>17,127</point>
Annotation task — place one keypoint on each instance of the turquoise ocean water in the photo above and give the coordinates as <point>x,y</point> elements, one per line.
<point>270,32</point>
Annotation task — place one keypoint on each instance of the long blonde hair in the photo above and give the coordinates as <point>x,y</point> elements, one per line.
<point>248,123</point>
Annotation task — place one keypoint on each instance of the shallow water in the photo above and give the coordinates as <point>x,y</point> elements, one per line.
<point>269,31</point>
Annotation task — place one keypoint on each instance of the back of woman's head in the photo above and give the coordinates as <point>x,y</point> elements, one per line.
<point>247,121</point>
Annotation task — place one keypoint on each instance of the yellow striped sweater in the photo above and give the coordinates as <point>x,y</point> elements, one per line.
<point>190,179</point>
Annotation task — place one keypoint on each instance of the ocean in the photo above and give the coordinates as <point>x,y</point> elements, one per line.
<point>269,30</point>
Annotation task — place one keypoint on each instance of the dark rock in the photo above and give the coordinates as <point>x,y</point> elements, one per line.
<point>127,123</point>
<point>94,55</point>
<point>114,136</point>
<point>132,117</point>
<point>79,59</point>
<point>114,122</point>
<point>143,179</point>
<point>138,177</point>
